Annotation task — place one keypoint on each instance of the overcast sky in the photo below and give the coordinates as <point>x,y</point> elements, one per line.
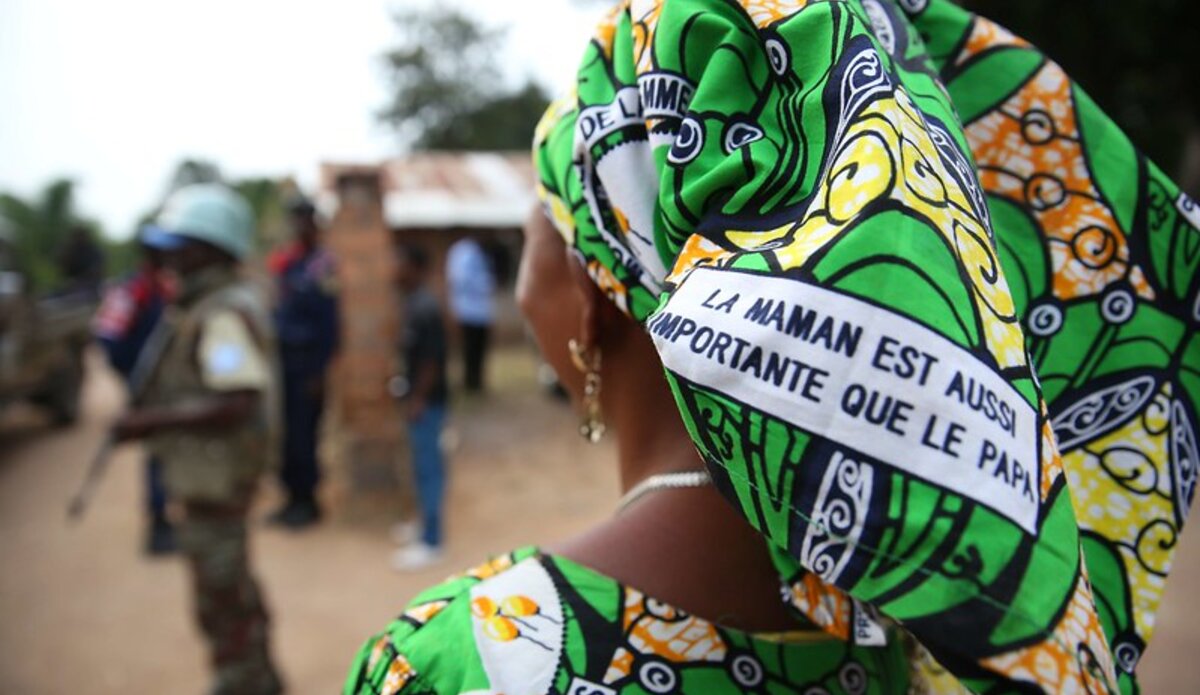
<point>114,93</point>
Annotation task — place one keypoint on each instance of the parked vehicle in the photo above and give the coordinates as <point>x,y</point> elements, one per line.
<point>42,341</point>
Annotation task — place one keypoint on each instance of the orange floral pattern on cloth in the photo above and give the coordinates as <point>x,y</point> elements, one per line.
<point>1029,150</point>
<point>986,36</point>
<point>767,12</point>
<point>377,650</point>
<point>424,613</point>
<point>608,284</point>
<point>621,666</point>
<point>656,628</point>
<point>490,568</point>
<point>399,672</point>
<point>549,625</point>
<point>698,251</point>
<point>828,607</point>
<point>1064,658</point>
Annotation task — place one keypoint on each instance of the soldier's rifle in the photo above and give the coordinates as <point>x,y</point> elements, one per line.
<point>139,380</point>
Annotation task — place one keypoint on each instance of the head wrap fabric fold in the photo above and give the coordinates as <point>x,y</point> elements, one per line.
<point>1093,238</point>
<point>837,274</point>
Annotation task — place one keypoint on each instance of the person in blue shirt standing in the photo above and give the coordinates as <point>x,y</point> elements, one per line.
<point>307,325</point>
<point>128,313</point>
<point>472,288</point>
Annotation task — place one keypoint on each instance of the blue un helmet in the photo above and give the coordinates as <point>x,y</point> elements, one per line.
<point>207,212</point>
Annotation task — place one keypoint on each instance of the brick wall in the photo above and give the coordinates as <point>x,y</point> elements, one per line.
<point>366,438</point>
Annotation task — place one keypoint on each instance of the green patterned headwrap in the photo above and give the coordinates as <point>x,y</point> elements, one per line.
<point>927,314</point>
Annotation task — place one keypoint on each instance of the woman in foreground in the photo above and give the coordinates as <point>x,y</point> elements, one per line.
<point>927,319</point>
<point>674,592</point>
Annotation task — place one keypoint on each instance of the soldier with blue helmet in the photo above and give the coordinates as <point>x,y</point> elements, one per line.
<point>128,314</point>
<point>307,326</point>
<point>207,411</point>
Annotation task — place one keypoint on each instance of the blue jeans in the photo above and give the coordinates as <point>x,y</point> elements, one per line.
<point>424,436</point>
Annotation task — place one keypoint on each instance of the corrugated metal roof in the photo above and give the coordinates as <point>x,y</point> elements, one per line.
<point>447,189</point>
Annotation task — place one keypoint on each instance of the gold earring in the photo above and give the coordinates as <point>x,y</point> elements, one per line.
<point>587,361</point>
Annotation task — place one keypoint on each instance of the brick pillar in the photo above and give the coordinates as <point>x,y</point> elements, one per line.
<point>366,437</point>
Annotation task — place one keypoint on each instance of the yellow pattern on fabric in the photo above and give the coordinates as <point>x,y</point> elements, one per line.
<point>700,251</point>
<point>490,568</point>
<point>1052,461</point>
<point>558,211</point>
<point>643,33</point>
<point>887,152</point>
<point>931,678</point>
<point>1121,486</point>
<point>606,31</point>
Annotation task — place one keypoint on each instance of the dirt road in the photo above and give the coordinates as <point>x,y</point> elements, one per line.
<point>82,611</point>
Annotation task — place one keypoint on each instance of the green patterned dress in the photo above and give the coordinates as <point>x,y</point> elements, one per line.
<point>529,622</point>
<point>927,313</point>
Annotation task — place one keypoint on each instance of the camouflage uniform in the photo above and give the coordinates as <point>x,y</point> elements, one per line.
<point>221,343</point>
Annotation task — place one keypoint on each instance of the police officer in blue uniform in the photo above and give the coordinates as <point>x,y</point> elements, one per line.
<point>307,327</point>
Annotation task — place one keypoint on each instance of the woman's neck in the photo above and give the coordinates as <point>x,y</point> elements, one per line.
<point>650,437</point>
<point>683,546</point>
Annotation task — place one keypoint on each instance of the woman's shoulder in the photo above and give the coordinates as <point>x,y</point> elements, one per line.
<point>442,641</point>
<point>537,623</point>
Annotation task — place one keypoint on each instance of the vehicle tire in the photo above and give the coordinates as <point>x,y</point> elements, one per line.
<point>62,395</point>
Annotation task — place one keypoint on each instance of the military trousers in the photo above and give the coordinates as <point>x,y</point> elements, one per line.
<point>228,604</point>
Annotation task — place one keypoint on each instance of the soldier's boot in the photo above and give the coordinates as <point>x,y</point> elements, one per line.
<point>242,660</point>
<point>249,677</point>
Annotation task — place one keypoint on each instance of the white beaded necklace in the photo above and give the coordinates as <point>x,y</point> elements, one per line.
<point>664,481</point>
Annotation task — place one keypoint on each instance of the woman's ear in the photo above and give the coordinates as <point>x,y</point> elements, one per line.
<point>601,323</point>
<point>593,301</point>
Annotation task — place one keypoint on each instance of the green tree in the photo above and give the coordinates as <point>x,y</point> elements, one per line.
<point>188,171</point>
<point>449,91</point>
<point>40,225</point>
<point>193,170</point>
<point>268,198</point>
<point>120,256</point>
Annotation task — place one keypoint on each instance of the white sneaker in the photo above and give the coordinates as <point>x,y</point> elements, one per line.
<point>416,557</point>
<point>405,532</point>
